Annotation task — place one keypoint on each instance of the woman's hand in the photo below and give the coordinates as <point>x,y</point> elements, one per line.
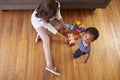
<point>67,30</point>
<point>66,39</point>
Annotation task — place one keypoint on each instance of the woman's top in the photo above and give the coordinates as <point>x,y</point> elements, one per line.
<point>38,22</point>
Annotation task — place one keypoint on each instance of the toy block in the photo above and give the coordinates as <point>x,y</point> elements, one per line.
<point>71,39</point>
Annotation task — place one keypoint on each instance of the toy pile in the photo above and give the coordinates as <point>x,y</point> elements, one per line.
<point>78,28</point>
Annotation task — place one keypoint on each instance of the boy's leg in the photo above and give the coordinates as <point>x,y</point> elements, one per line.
<point>77,53</point>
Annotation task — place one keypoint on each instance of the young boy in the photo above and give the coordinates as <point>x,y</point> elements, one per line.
<point>91,34</point>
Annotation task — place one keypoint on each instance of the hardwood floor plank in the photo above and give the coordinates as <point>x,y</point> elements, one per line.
<point>23,59</point>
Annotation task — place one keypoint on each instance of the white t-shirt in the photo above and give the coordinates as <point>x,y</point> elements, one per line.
<point>38,22</point>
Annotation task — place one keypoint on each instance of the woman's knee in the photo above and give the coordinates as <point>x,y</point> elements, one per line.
<point>45,39</point>
<point>43,33</point>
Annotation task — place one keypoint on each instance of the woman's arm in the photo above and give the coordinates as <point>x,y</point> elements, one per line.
<point>63,24</point>
<point>58,33</point>
<point>64,29</point>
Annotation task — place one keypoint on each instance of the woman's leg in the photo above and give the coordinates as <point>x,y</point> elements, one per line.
<point>43,33</point>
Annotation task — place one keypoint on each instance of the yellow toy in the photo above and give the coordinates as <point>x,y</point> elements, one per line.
<point>78,23</point>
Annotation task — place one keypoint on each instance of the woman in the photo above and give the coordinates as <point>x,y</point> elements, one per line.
<point>45,19</point>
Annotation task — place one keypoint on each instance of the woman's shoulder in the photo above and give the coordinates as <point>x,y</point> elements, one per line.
<point>34,12</point>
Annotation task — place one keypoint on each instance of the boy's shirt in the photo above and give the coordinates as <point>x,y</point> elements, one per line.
<point>83,48</point>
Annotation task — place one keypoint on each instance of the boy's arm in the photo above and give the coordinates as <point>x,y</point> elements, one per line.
<point>86,57</point>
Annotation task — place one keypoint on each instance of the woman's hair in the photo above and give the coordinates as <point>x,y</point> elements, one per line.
<point>47,9</point>
<point>93,31</point>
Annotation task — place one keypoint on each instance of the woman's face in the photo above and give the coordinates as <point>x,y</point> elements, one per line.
<point>88,38</point>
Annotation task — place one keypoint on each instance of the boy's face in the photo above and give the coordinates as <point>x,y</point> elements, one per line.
<point>88,37</point>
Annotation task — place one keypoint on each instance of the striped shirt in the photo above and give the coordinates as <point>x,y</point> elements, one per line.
<point>83,48</point>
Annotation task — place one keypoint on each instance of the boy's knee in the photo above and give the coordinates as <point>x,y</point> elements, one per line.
<point>76,55</point>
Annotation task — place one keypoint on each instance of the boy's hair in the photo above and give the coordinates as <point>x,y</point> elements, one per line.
<point>93,31</point>
<point>47,9</point>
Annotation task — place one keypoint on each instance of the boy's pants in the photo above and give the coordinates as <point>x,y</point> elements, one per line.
<point>78,53</point>
<point>44,35</point>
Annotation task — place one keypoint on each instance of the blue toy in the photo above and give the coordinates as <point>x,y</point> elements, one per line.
<point>80,29</point>
<point>68,25</point>
<point>71,27</point>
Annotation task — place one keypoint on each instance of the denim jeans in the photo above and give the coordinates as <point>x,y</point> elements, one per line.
<point>78,53</point>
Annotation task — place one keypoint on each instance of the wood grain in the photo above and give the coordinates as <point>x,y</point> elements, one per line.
<point>23,59</point>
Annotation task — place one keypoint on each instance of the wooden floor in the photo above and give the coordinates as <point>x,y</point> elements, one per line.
<point>23,59</point>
